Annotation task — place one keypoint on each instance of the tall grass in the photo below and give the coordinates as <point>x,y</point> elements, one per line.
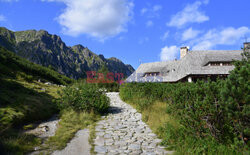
<point>70,122</point>
<point>15,142</point>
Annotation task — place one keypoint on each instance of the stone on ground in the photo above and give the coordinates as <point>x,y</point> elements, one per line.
<point>124,132</point>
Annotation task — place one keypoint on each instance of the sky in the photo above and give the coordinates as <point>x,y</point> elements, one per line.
<point>135,31</point>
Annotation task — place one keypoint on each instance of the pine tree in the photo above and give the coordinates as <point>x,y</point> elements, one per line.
<point>236,97</point>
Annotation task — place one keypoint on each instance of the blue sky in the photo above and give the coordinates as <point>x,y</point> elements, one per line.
<point>135,31</point>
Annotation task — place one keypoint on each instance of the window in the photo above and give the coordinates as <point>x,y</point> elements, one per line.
<point>219,64</point>
<point>227,64</point>
<point>152,74</point>
<point>214,63</point>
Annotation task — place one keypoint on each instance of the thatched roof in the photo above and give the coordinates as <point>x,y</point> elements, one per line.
<point>194,63</point>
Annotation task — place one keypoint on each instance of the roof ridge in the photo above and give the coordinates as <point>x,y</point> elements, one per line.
<point>161,62</point>
<point>211,50</point>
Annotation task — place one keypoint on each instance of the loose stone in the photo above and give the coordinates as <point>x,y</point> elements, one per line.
<point>100,149</point>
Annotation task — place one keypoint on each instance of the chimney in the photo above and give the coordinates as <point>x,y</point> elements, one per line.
<point>246,45</point>
<point>184,51</point>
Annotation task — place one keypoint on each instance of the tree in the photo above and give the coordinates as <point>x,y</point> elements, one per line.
<point>236,97</point>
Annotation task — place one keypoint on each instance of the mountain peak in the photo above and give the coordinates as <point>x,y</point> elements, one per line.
<point>115,59</point>
<point>78,47</point>
<point>46,49</point>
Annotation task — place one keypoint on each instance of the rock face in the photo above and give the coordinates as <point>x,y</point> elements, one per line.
<point>49,50</point>
<point>124,132</point>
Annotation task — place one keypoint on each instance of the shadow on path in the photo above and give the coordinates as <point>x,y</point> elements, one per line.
<point>114,110</point>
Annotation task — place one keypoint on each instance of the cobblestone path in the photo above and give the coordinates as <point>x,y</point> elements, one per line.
<point>124,132</point>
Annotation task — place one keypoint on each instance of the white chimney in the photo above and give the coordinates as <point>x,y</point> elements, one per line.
<point>184,51</point>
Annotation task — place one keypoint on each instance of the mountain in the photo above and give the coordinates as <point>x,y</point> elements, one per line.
<point>48,50</point>
<point>13,67</point>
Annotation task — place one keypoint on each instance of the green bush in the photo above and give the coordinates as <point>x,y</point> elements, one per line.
<point>109,87</point>
<point>84,97</point>
<point>235,96</point>
<point>214,113</point>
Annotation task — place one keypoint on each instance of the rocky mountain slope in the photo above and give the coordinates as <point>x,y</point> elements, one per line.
<point>49,50</point>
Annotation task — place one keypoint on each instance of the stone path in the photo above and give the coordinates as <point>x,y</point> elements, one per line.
<point>123,132</point>
<point>79,145</point>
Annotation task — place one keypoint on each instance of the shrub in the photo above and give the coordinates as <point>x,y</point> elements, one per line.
<point>84,97</point>
<point>214,113</point>
<point>235,95</point>
<point>109,87</point>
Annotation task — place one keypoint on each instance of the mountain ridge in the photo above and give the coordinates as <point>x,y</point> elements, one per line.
<point>49,50</point>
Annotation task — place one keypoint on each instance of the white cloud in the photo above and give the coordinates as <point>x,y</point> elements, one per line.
<point>98,18</point>
<point>149,23</point>
<point>169,53</point>
<point>214,37</point>
<point>190,34</point>
<point>2,18</point>
<point>152,11</point>
<point>190,14</point>
<point>165,36</point>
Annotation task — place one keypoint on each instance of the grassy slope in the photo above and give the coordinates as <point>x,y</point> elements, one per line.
<point>13,66</point>
<point>27,104</point>
<point>23,100</point>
